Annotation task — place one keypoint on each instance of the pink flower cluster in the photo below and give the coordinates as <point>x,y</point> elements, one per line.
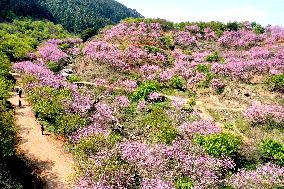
<point>44,75</point>
<point>265,176</point>
<point>121,102</point>
<point>178,102</point>
<point>203,127</point>
<point>240,38</point>
<point>259,113</point>
<point>104,113</point>
<point>185,39</point>
<point>154,96</point>
<point>217,84</point>
<point>186,159</point>
<point>156,184</point>
<point>51,52</point>
<point>93,129</point>
<point>136,33</point>
<point>78,103</point>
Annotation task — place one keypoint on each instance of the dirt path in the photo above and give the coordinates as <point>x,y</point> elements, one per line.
<point>54,163</point>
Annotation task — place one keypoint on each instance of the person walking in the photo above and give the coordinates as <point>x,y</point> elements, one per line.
<point>20,92</point>
<point>42,129</point>
<point>20,103</point>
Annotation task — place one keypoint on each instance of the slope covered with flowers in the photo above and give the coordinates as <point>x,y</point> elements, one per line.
<point>166,105</point>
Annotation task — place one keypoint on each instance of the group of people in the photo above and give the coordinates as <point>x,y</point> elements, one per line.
<point>19,92</point>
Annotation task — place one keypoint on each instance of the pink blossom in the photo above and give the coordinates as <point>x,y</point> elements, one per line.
<point>203,127</point>
<point>259,113</point>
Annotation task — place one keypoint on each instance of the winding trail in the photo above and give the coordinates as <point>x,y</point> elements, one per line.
<point>54,163</point>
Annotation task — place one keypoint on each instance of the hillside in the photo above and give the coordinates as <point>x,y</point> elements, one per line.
<point>74,15</point>
<point>18,38</point>
<point>152,104</point>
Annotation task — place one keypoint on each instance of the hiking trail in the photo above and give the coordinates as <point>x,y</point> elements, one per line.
<point>55,164</point>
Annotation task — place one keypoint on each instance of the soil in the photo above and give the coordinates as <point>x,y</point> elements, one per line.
<point>55,164</point>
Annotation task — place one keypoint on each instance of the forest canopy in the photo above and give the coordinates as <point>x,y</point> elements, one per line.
<point>75,15</point>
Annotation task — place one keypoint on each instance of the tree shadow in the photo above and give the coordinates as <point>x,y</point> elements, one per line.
<point>25,172</point>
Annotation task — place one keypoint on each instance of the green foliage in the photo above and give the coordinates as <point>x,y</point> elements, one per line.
<point>91,145</point>
<point>258,29</point>
<point>47,104</point>
<point>23,35</point>
<point>7,131</point>
<point>217,27</point>
<point>53,67</point>
<point>205,68</point>
<point>214,57</point>
<point>68,123</point>
<point>64,46</point>
<point>276,82</point>
<point>73,78</point>
<point>5,64</point>
<point>161,128</point>
<point>177,82</point>
<point>183,183</point>
<point>167,42</point>
<point>16,47</point>
<point>88,33</point>
<point>75,16</point>
<point>5,87</point>
<point>166,25</point>
<point>152,49</point>
<point>233,26</point>
<point>191,102</point>
<point>273,150</point>
<point>220,144</point>
<point>145,89</point>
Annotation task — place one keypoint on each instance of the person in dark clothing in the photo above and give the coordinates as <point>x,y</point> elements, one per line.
<point>42,129</point>
<point>20,92</point>
<point>20,103</point>
<point>17,91</point>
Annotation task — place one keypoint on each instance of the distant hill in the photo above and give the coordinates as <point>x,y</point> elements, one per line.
<point>74,15</point>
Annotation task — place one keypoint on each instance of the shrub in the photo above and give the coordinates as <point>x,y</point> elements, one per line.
<point>203,68</point>
<point>214,57</point>
<point>217,85</point>
<point>276,82</point>
<point>273,150</point>
<point>206,70</point>
<point>69,123</point>
<point>220,144</point>
<point>258,29</point>
<point>15,46</point>
<point>233,26</point>
<point>161,128</point>
<point>167,42</point>
<point>5,86</point>
<point>90,146</point>
<point>177,82</point>
<point>64,46</point>
<point>265,114</point>
<point>152,49</point>
<point>264,176</point>
<point>183,183</point>
<point>53,67</point>
<point>5,64</point>
<point>7,131</point>
<point>48,107</point>
<point>73,78</point>
<point>145,89</point>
